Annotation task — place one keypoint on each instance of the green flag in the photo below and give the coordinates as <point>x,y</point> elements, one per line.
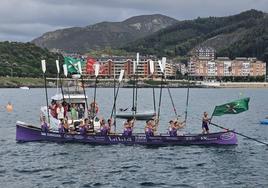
<point>234,107</point>
<point>72,64</point>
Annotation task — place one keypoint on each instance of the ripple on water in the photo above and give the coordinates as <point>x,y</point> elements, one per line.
<point>200,164</point>
<point>33,170</point>
<point>151,184</point>
<point>181,167</point>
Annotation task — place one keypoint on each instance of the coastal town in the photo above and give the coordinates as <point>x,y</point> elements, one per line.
<point>118,93</point>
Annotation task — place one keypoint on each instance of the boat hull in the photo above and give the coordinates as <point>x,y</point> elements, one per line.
<point>138,116</point>
<point>27,133</point>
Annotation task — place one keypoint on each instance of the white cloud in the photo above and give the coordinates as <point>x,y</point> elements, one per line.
<point>24,20</point>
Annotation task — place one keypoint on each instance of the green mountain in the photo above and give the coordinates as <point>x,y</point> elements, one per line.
<point>24,60</point>
<point>244,34</point>
<point>104,34</point>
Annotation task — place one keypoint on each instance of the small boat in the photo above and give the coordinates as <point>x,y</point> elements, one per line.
<point>138,116</point>
<point>264,122</point>
<point>25,88</point>
<point>29,133</point>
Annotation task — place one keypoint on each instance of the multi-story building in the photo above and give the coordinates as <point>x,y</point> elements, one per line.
<point>111,68</point>
<point>223,66</point>
<point>203,53</point>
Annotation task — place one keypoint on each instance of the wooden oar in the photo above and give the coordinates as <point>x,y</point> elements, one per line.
<point>250,138</point>
<point>43,62</point>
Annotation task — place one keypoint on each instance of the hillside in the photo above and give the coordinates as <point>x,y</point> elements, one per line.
<point>104,34</point>
<point>244,34</point>
<point>24,60</point>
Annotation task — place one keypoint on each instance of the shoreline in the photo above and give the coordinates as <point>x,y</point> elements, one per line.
<point>17,82</point>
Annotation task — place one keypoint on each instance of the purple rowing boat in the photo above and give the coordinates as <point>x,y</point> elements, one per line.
<point>29,133</point>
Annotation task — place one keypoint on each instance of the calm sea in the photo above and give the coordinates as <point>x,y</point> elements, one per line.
<point>79,165</point>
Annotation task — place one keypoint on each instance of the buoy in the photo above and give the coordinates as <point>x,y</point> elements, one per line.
<point>9,107</point>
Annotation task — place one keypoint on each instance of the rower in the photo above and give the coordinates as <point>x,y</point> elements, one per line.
<point>61,127</point>
<point>94,109</point>
<point>175,126</point>
<point>103,128</point>
<point>149,128</point>
<point>66,125</point>
<point>109,125</point>
<point>44,124</point>
<point>82,128</point>
<point>128,127</point>
<point>205,122</point>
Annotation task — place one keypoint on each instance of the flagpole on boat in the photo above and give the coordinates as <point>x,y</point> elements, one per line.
<point>43,62</point>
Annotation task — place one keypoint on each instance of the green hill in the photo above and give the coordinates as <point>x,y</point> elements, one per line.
<point>244,34</point>
<point>24,60</point>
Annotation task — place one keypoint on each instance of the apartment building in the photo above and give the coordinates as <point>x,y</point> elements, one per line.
<point>111,67</point>
<point>223,66</point>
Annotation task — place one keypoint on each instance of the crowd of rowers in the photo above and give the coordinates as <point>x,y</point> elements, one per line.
<point>86,125</point>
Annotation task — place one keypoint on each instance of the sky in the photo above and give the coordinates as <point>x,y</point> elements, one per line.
<point>24,20</point>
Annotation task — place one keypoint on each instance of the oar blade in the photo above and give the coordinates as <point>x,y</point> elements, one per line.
<point>151,64</point>
<point>121,75</point>
<point>79,67</point>
<point>43,63</point>
<point>138,58</point>
<point>160,65</point>
<point>97,69</point>
<point>58,66</point>
<point>164,60</point>
<point>65,71</point>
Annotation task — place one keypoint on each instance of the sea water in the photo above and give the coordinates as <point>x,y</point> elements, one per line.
<point>45,164</point>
